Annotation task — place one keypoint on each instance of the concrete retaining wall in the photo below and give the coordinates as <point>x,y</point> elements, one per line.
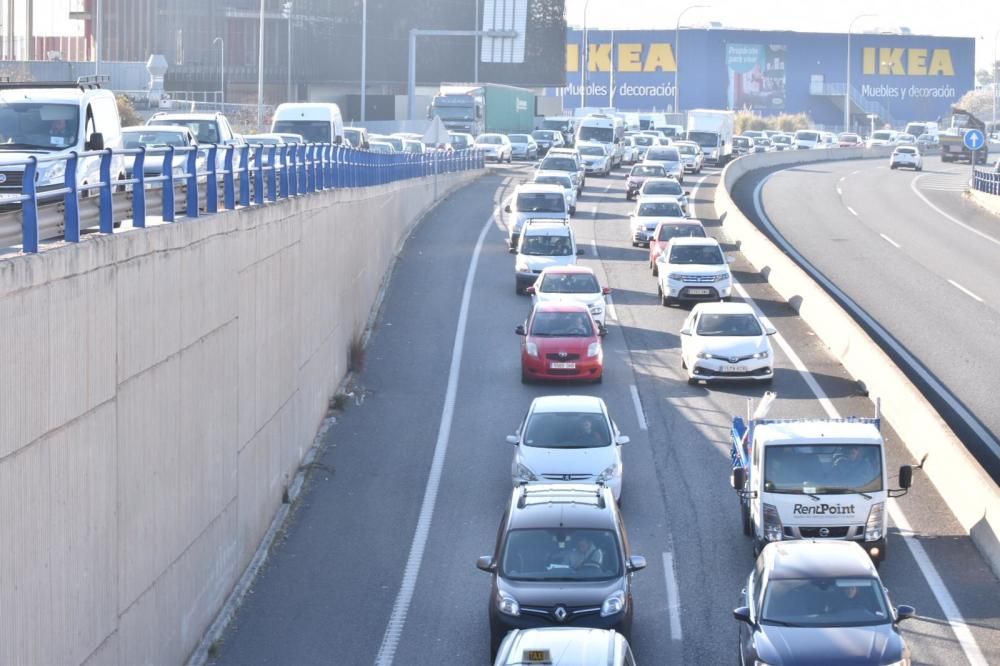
<point>159,390</point>
<point>968,491</point>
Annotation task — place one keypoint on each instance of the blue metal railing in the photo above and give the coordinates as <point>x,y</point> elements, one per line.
<point>987,179</point>
<point>251,175</point>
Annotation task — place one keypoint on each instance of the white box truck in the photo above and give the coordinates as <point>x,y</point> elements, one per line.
<point>813,479</point>
<point>713,131</point>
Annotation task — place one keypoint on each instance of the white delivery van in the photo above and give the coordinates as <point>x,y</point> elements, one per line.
<point>712,130</point>
<point>317,122</point>
<point>604,129</point>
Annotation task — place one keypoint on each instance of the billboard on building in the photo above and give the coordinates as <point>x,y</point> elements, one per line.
<point>756,76</point>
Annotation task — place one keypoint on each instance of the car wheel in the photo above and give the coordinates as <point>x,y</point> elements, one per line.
<point>684,365</point>
<point>518,290</point>
<point>692,381</point>
<point>495,641</point>
<point>665,300</point>
<point>600,378</point>
<point>634,244</point>
<point>525,379</point>
<point>920,168</point>
<point>572,211</point>
<point>656,269</point>
<point>745,519</point>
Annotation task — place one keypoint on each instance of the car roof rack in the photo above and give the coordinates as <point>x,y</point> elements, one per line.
<point>597,492</point>
<point>89,82</point>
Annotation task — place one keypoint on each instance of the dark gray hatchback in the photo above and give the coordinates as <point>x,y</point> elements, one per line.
<point>561,559</point>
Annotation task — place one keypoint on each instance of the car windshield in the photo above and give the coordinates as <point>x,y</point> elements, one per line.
<point>556,125</point>
<point>687,149</point>
<point>353,135</point>
<point>313,131</point>
<point>660,209</point>
<point>564,182</point>
<point>562,325</point>
<point>762,141</point>
<point>663,155</point>
<point>709,255</point>
<point>592,151</point>
<point>704,139</point>
<point>642,140</point>
<point>155,138</point>
<point>853,138</point>
<point>543,135</point>
<point>824,602</point>
<point>807,136</point>
<point>458,141</point>
<point>541,202</point>
<point>728,325</point>
<point>489,139</point>
<point>671,187</point>
<point>668,231</point>
<point>546,246</point>
<point>454,112</point>
<point>559,164</point>
<point>823,469</point>
<point>650,171</point>
<point>599,134</point>
<point>28,126</point>
<point>567,430</point>
<point>519,138</point>
<point>784,138</point>
<point>882,136</point>
<point>906,151</point>
<point>741,141</point>
<point>570,283</point>
<point>561,554</point>
<point>379,147</point>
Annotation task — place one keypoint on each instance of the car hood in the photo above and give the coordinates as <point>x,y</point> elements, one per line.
<point>696,269</point>
<point>651,222</point>
<point>567,461</point>
<point>574,345</point>
<point>539,263</point>
<point>551,593</point>
<point>729,346</point>
<point>825,645</point>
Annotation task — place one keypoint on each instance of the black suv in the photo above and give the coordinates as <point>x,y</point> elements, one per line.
<point>561,559</point>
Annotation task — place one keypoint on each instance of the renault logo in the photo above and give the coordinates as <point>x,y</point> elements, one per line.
<point>824,532</point>
<point>560,613</point>
<point>563,354</point>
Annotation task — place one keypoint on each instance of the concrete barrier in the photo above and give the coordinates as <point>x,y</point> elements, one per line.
<point>969,492</point>
<point>160,388</point>
<point>989,202</point>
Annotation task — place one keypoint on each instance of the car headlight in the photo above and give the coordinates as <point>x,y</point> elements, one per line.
<point>613,605</point>
<point>704,355</point>
<point>773,530</point>
<point>522,267</point>
<point>594,349</point>
<point>508,605</point>
<point>675,276</point>
<point>531,349</point>
<point>721,277</point>
<point>596,310</point>
<point>524,474</point>
<point>762,354</point>
<point>51,173</point>
<point>874,527</point>
<point>611,472</point>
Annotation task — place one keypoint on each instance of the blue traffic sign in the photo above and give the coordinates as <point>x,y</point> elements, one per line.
<point>974,139</point>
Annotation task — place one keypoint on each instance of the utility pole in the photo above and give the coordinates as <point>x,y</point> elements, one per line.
<point>97,36</point>
<point>260,70</point>
<point>288,9</point>
<point>364,56</point>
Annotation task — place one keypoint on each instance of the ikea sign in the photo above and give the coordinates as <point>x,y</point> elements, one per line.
<point>623,57</point>
<point>907,61</point>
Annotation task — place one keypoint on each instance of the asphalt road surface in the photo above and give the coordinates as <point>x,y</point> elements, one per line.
<point>444,379</point>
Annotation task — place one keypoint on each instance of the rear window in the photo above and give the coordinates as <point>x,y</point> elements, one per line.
<point>907,150</point>
<point>663,154</point>
<point>663,187</point>
<point>668,231</point>
<point>489,139</point>
<point>559,164</point>
<point>660,209</point>
<point>807,136</point>
<point>541,202</point>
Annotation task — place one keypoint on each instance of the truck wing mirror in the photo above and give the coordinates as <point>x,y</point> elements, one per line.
<point>905,477</point>
<point>738,478</point>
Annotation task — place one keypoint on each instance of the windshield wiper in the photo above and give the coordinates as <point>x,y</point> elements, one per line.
<point>24,146</point>
<point>780,623</point>
<point>846,491</point>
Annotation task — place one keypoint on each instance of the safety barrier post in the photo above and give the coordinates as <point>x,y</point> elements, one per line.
<point>311,167</point>
<point>139,190</point>
<point>168,186</point>
<point>272,173</point>
<point>258,175</point>
<point>244,175</point>
<point>321,171</point>
<point>283,158</point>
<point>293,177</point>
<point>107,211</point>
<point>228,184</point>
<point>192,183</point>
<point>212,182</point>
<point>72,214</point>
<point>29,207</point>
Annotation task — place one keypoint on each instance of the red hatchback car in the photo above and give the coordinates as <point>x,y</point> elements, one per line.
<point>667,230</point>
<point>561,341</point>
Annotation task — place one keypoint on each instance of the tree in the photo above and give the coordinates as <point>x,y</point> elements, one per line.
<point>127,112</point>
<point>984,77</point>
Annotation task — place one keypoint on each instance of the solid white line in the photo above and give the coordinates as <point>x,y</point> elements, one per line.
<point>964,290</point>
<point>593,244</point>
<point>639,416</point>
<point>891,242</point>
<point>961,410</point>
<point>673,596</point>
<point>840,191</point>
<point>852,211</point>
<point>842,179</point>
<point>611,308</point>
<point>916,190</point>
<point>394,629</point>
<point>944,599</point>
<point>694,195</point>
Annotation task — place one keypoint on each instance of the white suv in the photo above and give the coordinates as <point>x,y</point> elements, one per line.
<point>531,201</point>
<point>693,269</point>
<point>543,243</point>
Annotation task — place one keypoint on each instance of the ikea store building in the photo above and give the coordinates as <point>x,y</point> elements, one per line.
<point>898,78</point>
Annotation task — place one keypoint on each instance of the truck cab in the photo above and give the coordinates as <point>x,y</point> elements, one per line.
<point>813,479</point>
<point>713,131</point>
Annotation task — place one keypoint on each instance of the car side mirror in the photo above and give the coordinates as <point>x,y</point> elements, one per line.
<point>730,259</point>
<point>738,478</point>
<point>512,439</point>
<point>636,563</point>
<point>506,208</point>
<point>579,252</point>
<point>602,330</point>
<point>530,290</point>
<point>687,193</point>
<point>485,563</point>
<point>905,476</point>
<point>512,249</point>
<point>905,612</point>
<point>519,329</point>
<point>622,439</point>
<point>685,331</point>
<point>742,613</point>
<point>770,330</point>
<point>605,290</point>
<point>96,142</point>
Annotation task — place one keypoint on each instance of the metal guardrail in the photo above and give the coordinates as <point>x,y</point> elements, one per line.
<point>987,179</point>
<point>251,175</point>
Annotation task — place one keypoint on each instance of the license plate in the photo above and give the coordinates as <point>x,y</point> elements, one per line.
<point>734,368</point>
<point>563,366</point>
<point>699,292</point>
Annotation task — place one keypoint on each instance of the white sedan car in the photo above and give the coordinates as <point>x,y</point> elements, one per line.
<point>726,341</point>
<point>906,156</point>
<point>669,158</point>
<point>568,439</point>
<point>495,147</point>
<point>571,283</point>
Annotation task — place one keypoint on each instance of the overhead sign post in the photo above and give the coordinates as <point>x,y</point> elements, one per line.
<point>974,140</point>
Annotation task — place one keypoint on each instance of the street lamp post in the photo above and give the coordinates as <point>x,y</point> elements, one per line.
<point>288,15</point>
<point>847,89</point>
<point>677,55</point>
<point>222,68</point>
<point>97,37</point>
<point>996,36</point>
<point>364,55</point>
<point>584,59</point>
<point>260,70</point>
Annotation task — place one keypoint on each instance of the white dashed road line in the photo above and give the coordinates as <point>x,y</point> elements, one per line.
<point>984,236</point>
<point>890,241</point>
<point>673,596</point>
<point>964,290</point>
<point>639,416</point>
<point>852,211</point>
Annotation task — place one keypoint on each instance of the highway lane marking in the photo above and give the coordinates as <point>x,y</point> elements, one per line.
<point>891,242</point>
<point>858,313</point>
<point>852,211</point>
<point>840,191</point>
<point>965,291</point>
<point>611,308</point>
<point>934,582</point>
<point>673,596</point>
<point>593,244</point>
<point>404,597</point>
<point>639,416</point>
<point>916,190</point>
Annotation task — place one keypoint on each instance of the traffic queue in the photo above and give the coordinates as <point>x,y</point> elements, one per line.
<point>812,492</point>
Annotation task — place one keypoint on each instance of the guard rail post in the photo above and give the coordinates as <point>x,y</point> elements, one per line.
<point>71,231</point>
<point>328,177</point>
<point>283,158</point>
<point>318,166</point>
<point>106,208</point>
<point>212,183</point>
<point>228,186</point>
<point>258,175</point>
<point>366,164</point>
<point>312,167</point>
<point>348,156</point>
<point>29,207</point>
<point>244,175</point>
<point>293,177</point>
<point>168,186</point>
<point>272,173</point>
<point>192,182</point>
<point>304,170</point>
<point>139,190</point>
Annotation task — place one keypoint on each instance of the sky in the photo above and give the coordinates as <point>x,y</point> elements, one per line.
<point>967,18</point>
